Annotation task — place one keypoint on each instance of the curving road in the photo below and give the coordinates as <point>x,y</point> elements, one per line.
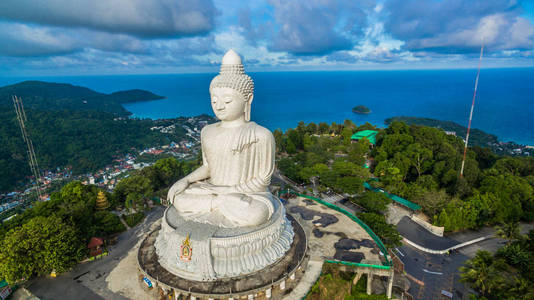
<point>88,280</point>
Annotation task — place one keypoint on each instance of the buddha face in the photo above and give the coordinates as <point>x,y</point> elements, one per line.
<point>227,103</point>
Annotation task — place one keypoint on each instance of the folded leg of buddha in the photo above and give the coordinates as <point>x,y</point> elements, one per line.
<point>204,203</point>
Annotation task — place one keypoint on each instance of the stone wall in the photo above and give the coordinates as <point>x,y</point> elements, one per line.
<point>431,228</point>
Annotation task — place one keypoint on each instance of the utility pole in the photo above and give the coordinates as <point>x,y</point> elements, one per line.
<point>32,159</point>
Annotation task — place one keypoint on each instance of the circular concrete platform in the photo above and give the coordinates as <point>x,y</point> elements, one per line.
<point>260,281</point>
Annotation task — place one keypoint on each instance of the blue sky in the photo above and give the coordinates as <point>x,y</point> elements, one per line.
<point>79,37</point>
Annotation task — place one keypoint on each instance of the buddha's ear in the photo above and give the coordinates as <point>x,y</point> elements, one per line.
<point>248,107</point>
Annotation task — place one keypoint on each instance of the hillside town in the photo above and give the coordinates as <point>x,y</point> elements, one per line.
<point>109,176</point>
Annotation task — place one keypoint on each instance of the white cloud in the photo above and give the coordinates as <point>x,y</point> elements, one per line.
<point>143,18</point>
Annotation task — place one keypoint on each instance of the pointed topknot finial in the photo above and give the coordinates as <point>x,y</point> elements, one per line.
<point>231,58</point>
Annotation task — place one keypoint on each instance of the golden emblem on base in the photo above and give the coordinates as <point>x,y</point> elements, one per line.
<point>185,250</point>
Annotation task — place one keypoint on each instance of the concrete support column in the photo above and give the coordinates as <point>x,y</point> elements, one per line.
<point>292,277</point>
<point>283,285</point>
<point>268,293</point>
<point>369,283</point>
<point>357,278</point>
<point>390,285</point>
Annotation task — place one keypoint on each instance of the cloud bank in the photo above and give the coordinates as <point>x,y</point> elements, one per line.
<point>453,26</point>
<point>190,35</point>
<point>142,18</point>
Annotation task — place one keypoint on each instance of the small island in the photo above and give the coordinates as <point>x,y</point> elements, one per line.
<point>361,109</point>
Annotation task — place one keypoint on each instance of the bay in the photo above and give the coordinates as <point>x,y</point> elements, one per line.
<point>504,103</point>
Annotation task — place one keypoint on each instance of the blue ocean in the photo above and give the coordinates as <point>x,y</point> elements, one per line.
<point>504,103</point>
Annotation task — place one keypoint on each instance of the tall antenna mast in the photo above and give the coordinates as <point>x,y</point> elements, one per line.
<point>32,159</point>
<point>472,107</point>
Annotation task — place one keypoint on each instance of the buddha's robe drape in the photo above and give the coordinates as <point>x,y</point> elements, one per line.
<point>242,160</point>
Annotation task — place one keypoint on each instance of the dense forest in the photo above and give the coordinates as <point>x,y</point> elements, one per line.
<point>82,140</point>
<point>423,164</point>
<point>477,137</point>
<point>419,163</point>
<point>67,132</point>
<point>53,235</point>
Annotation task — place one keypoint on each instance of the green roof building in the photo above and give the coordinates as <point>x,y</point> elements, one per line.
<point>369,134</point>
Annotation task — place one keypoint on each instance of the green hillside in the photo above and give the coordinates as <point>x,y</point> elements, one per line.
<point>476,138</point>
<point>73,126</point>
<point>42,95</point>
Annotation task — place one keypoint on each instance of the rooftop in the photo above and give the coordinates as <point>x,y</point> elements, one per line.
<point>369,134</point>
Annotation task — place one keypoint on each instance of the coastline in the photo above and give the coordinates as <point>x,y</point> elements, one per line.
<point>504,107</point>
<point>382,124</point>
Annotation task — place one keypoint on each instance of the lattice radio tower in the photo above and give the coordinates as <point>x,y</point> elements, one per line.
<point>32,159</point>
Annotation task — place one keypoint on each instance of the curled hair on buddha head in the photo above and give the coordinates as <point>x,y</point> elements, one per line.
<point>232,75</point>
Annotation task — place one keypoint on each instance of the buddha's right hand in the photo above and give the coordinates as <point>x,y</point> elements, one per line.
<point>177,188</point>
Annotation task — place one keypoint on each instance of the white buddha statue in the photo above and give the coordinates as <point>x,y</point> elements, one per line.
<point>224,222</point>
<point>230,188</point>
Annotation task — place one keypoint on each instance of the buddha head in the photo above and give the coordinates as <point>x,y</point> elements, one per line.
<point>232,90</point>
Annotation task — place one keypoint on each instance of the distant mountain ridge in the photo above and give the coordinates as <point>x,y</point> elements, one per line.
<point>42,95</point>
<point>72,126</point>
<point>477,137</point>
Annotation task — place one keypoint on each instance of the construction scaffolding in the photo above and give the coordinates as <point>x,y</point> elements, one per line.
<point>32,159</point>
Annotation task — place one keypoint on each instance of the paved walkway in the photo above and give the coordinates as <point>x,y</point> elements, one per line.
<point>124,223</point>
<point>311,275</point>
<point>396,213</point>
<point>88,280</point>
<point>333,198</point>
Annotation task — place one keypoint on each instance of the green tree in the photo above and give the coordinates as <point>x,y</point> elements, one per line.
<point>168,170</point>
<point>516,255</point>
<point>133,191</point>
<point>75,204</point>
<point>279,140</point>
<point>323,128</point>
<point>420,158</point>
<point>349,184</point>
<point>508,231</point>
<point>458,215</point>
<point>311,128</point>
<point>346,133</point>
<point>373,202</point>
<point>290,147</point>
<point>515,195</point>
<point>387,232</point>
<point>38,247</point>
<point>432,201</point>
<point>482,273</point>
<point>295,137</point>
<point>108,223</point>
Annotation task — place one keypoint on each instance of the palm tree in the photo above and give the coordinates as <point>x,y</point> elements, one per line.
<point>508,231</point>
<point>521,289</point>
<point>482,273</point>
